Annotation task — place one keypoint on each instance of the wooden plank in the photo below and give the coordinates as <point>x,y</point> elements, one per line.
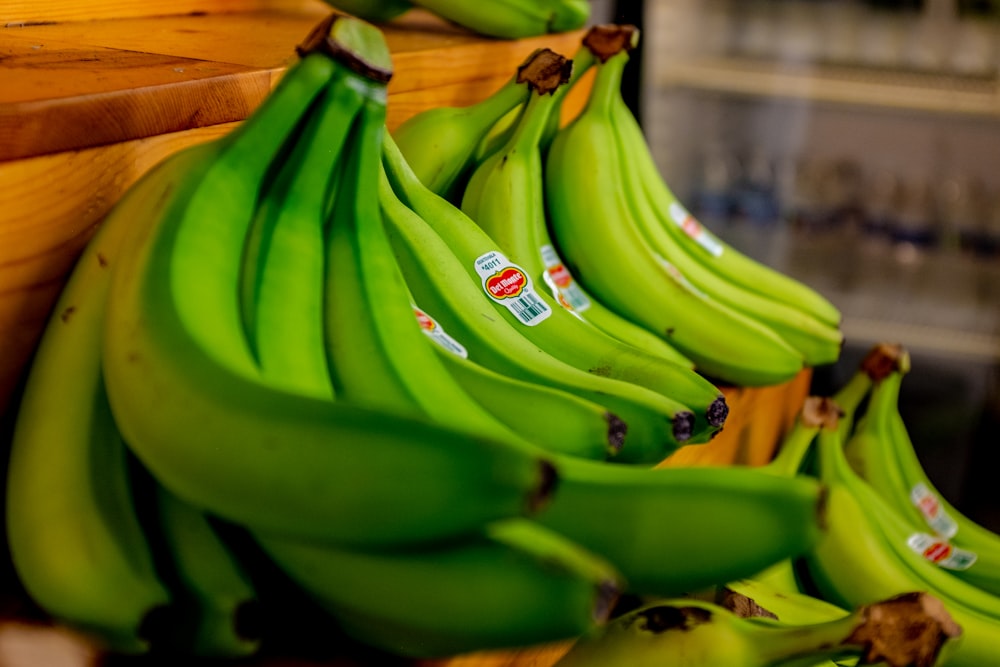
<point>61,96</point>
<point>430,51</point>
<point>20,12</point>
<point>83,84</point>
<point>263,40</point>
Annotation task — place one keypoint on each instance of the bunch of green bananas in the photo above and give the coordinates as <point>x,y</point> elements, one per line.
<point>889,532</point>
<point>583,207</point>
<point>505,19</point>
<point>280,365</point>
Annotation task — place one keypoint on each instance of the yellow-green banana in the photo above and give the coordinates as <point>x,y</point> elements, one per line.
<point>512,19</point>
<point>593,228</point>
<point>906,631</point>
<point>75,540</point>
<point>189,398</point>
<point>719,257</point>
<point>818,342</point>
<point>375,11</point>
<point>676,530</point>
<point>512,584</point>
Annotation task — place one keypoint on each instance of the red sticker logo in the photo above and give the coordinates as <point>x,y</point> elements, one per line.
<point>560,276</point>
<point>929,506</point>
<point>506,283</point>
<point>424,320</point>
<point>937,552</point>
<point>691,226</point>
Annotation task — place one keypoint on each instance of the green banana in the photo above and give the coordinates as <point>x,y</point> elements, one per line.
<point>861,558</point>
<point>717,256</point>
<point>559,421</point>
<point>512,19</point>
<point>819,343</point>
<point>789,605</point>
<point>907,631</point>
<point>75,540</point>
<point>219,611</point>
<point>440,143</point>
<point>504,197</point>
<point>377,352</point>
<point>374,11</point>
<point>594,229</point>
<point>882,453</point>
<point>778,587</point>
<point>441,282</point>
<point>281,281</point>
<point>676,530</point>
<point>193,406</point>
<point>512,584</point>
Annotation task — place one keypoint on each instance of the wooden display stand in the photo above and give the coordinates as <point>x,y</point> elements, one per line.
<point>97,92</point>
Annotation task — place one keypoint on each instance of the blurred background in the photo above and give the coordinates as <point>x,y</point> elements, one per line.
<point>855,145</point>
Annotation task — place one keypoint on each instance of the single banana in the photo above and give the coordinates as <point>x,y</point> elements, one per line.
<point>859,558</point>
<point>818,342</point>
<point>593,228</point>
<point>441,282</point>
<point>283,269</point>
<point>75,541</point>
<point>440,143</point>
<point>374,11</point>
<point>790,606</point>
<point>719,257</point>
<point>190,400</point>
<point>882,452</point>
<point>512,584</point>
<point>672,531</point>
<point>219,613</point>
<point>905,631</point>
<point>512,19</point>
<point>505,198</point>
<point>559,421</point>
<point>778,588</point>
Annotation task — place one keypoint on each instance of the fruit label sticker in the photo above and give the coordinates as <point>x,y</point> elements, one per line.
<point>679,277</point>
<point>941,552</point>
<point>694,229</point>
<point>564,287</point>
<point>430,327</point>
<point>509,285</point>
<point>929,505</point>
